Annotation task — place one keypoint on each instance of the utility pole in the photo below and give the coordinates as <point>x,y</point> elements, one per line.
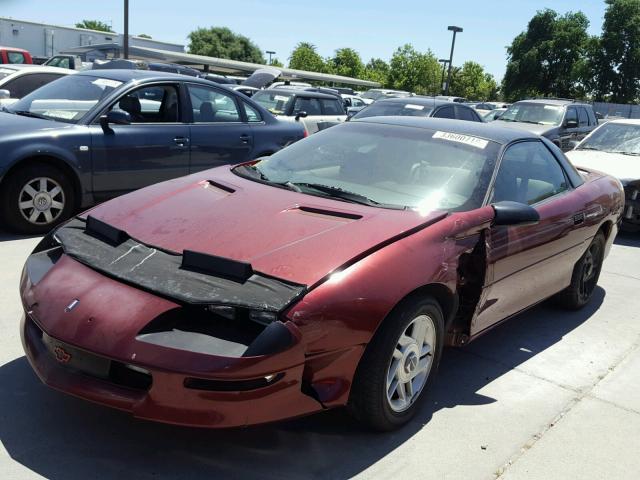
<point>270,52</point>
<point>125,43</point>
<point>444,62</point>
<point>455,30</point>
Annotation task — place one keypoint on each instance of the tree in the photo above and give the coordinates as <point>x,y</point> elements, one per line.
<point>615,57</point>
<point>548,57</point>
<point>94,25</point>
<point>414,71</point>
<point>306,57</point>
<point>346,62</point>
<point>275,62</point>
<point>221,42</point>
<point>377,70</point>
<point>144,35</point>
<point>472,82</point>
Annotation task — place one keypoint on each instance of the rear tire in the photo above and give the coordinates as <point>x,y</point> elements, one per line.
<point>396,368</point>
<point>586,273</point>
<point>36,198</point>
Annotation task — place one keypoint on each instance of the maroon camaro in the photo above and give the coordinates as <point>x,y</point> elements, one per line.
<point>329,274</point>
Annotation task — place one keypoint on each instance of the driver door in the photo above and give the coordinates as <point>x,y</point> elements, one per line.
<point>529,263</point>
<point>153,148</point>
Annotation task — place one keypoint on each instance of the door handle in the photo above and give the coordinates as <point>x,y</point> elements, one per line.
<point>244,138</point>
<point>578,218</point>
<point>181,141</point>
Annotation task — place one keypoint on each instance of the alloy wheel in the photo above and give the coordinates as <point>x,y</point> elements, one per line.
<point>41,201</point>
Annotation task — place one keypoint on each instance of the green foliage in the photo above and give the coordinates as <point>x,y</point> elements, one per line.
<point>614,58</point>
<point>346,62</point>
<point>94,25</point>
<point>414,71</point>
<point>221,42</point>
<point>549,57</point>
<point>377,70</point>
<point>306,57</point>
<point>144,35</point>
<point>275,62</point>
<point>472,82</point>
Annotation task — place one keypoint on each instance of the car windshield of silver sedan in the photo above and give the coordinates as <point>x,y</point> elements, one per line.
<point>535,113</point>
<point>402,109</point>
<point>614,138</point>
<point>384,166</point>
<point>67,99</point>
<point>276,102</point>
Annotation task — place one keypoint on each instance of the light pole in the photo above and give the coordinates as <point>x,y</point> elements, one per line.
<point>455,30</point>
<point>444,62</point>
<point>270,52</point>
<point>125,44</point>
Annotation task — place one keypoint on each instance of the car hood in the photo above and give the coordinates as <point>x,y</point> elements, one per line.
<point>11,124</point>
<point>281,233</point>
<point>623,167</point>
<point>529,127</point>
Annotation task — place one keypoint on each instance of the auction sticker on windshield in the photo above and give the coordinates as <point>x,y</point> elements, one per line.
<point>106,82</point>
<point>466,139</point>
<point>414,107</point>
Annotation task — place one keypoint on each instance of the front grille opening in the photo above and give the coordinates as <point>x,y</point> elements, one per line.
<point>130,376</point>
<point>231,385</point>
<point>196,329</point>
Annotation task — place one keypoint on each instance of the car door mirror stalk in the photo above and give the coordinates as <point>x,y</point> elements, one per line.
<point>514,214</point>
<point>571,124</point>
<point>300,115</point>
<point>115,117</point>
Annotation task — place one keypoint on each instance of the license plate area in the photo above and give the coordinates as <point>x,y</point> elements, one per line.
<point>77,359</point>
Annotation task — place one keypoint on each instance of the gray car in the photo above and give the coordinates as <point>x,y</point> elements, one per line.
<point>564,122</point>
<point>97,134</point>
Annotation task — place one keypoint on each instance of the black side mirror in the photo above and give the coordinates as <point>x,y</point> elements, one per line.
<point>301,114</point>
<point>571,124</point>
<point>117,117</point>
<point>514,213</point>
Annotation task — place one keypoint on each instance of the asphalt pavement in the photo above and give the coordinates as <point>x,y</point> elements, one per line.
<point>548,395</point>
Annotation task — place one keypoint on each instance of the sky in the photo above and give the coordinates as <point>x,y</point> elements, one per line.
<point>374,28</point>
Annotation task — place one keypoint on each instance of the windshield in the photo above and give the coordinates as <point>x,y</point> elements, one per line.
<point>388,165</point>
<point>276,102</point>
<point>380,109</point>
<point>6,71</point>
<point>533,113</point>
<point>614,137</point>
<point>67,99</point>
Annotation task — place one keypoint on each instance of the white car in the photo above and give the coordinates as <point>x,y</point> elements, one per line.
<point>19,80</point>
<point>614,148</point>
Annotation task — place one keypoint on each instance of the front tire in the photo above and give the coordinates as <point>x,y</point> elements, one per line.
<point>398,365</point>
<point>36,198</point>
<point>585,276</point>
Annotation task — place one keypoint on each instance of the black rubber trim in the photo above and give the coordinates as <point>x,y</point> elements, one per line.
<point>225,267</point>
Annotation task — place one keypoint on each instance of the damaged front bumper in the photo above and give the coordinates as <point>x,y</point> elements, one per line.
<point>96,337</point>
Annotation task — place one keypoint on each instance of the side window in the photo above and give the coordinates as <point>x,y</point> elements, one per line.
<point>592,116</point>
<point>445,112</point>
<point>572,115</point>
<point>331,107</point>
<point>154,104</point>
<point>465,113</point>
<point>212,106</point>
<point>529,173</point>
<point>309,105</point>
<point>253,115</point>
<point>15,57</point>
<point>25,84</point>
<point>356,102</point>
<point>583,117</point>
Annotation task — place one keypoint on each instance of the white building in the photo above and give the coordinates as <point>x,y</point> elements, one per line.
<point>44,40</point>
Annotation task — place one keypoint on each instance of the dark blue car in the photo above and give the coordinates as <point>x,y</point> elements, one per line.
<point>97,134</point>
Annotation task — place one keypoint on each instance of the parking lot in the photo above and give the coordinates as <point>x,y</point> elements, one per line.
<point>547,395</point>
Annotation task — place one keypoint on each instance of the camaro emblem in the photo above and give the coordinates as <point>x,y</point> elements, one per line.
<point>62,355</point>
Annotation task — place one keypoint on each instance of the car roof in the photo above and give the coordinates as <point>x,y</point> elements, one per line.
<point>486,131</point>
<point>428,101</point>
<point>553,101</point>
<point>628,121</point>
<point>125,75</point>
<point>302,93</point>
<point>14,49</point>
<point>35,68</point>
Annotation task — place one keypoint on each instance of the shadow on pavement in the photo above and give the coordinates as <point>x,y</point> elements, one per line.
<point>60,437</point>
<point>628,239</point>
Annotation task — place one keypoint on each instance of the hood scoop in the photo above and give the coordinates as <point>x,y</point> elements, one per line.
<point>327,213</point>
<point>212,184</point>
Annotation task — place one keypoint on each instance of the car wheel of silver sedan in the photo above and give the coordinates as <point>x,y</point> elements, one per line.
<point>398,364</point>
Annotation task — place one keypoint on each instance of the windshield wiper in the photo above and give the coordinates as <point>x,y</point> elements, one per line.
<point>27,113</point>
<point>586,147</point>
<point>632,154</point>
<point>531,121</point>
<point>339,193</point>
